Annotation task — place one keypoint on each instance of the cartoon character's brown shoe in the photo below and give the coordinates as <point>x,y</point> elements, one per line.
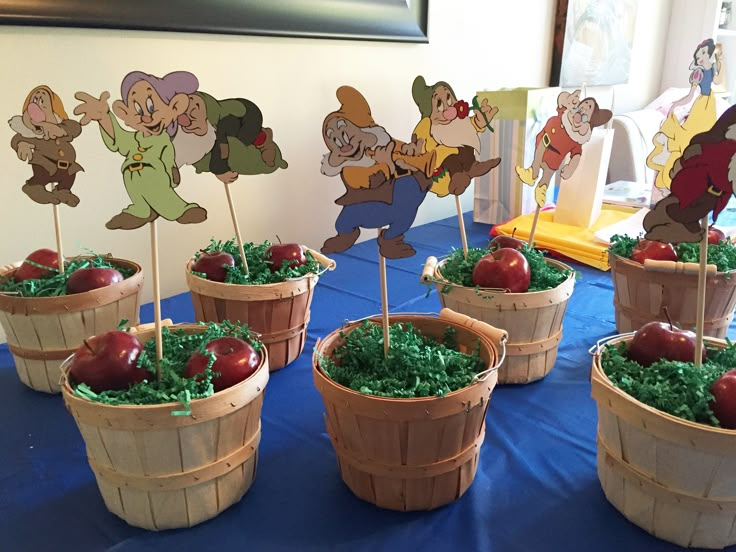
<point>395,248</point>
<point>193,215</point>
<point>40,194</point>
<point>268,148</point>
<point>126,221</point>
<point>67,197</point>
<point>340,243</point>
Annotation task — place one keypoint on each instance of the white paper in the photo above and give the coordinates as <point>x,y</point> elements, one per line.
<point>631,226</point>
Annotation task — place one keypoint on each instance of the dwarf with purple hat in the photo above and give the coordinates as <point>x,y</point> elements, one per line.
<point>150,106</point>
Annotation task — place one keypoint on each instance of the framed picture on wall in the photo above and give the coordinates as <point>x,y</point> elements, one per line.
<point>383,20</point>
<point>592,42</point>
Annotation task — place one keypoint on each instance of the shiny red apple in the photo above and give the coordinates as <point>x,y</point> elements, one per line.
<point>654,250</point>
<point>108,361</point>
<point>661,340</point>
<point>86,279</point>
<point>715,235</point>
<point>235,360</point>
<point>290,253</point>
<point>212,265</point>
<point>724,399</point>
<point>44,257</point>
<point>504,268</point>
<point>499,242</point>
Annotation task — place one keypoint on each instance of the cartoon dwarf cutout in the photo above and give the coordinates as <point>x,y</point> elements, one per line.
<point>226,138</point>
<point>447,129</point>
<point>702,181</point>
<point>563,134</point>
<point>382,187</point>
<point>44,135</point>
<point>149,105</point>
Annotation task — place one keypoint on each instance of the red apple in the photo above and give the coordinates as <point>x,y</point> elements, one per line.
<point>504,268</point>
<point>290,253</point>
<point>213,265</point>
<point>108,361</point>
<point>715,236</point>
<point>661,340</point>
<point>44,257</point>
<point>654,250</point>
<point>86,279</point>
<point>724,403</point>
<point>499,242</point>
<point>235,360</point>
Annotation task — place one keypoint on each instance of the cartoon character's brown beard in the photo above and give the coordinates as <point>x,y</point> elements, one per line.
<point>576,136</point>
<point>190,148</point>
<point>456,133</point>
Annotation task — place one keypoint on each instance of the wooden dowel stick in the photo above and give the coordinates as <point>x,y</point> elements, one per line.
<point>384,300</point>
<point>534,226</point>
<point>700,313</point>
<point>236,226</point>
<point>57,229</point>
<point>156,297</point>
<point>460,220</point>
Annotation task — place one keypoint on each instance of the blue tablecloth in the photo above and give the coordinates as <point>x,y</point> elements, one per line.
<point>536,487</point>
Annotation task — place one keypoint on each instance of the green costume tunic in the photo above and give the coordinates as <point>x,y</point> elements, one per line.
<point>147,172</point>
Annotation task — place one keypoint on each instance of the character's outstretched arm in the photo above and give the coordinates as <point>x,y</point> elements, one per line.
<point>93,109</point>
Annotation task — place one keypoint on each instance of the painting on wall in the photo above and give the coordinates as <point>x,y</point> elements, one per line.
<point>592,42</point>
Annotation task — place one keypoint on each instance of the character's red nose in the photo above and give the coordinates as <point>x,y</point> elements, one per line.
<point>36,113</point>
<point>184,120</point>
<point>146,119</point>
<point>577,118</point>
<point>450,113</point>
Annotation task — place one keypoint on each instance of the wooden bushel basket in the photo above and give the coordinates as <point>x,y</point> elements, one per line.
<point>411,454</point>
<point>641,291</point>
<point>533,320</point>
<point>279,312</point>
<point>43,331</point>
<point>671,477</point>
<point>159,471</point>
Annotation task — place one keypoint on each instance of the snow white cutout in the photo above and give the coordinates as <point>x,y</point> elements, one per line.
<point>673,137</point>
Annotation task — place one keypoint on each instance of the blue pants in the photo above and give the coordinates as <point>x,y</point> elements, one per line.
<point>398,216</point>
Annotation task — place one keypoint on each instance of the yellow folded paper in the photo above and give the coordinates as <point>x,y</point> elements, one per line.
<point>572,241</point>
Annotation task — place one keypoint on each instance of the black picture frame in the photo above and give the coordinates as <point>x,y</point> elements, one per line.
<point>379,20</point>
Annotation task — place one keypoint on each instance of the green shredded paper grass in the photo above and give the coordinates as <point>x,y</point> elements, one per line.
<point>677,388</point>
<point>54,284</point>
<point>722,255</point>
<point>178,347</point>
<point>416,366</point>
<point>459,270</point>
<point>259,266</point>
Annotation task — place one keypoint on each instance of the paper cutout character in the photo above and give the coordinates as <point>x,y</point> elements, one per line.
<point>226,138</point>
<point>44,135</point>
<point>150,106</point>
<point>447,129</point>
<point>563,134</point>
<point>673,136</point>
<point>382,186</point>
<point>702,181</point>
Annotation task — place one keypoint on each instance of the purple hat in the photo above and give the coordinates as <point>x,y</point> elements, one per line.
<point>177,82</point>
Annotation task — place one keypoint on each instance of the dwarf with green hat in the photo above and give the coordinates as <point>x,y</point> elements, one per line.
<point>225,138</point>
<point>447,129</point>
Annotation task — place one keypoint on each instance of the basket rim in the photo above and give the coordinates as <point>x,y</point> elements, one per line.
<point>67,390</point>
<point>441,280</point>
<point>113,260</point>
<point>634,264</point>
<point>317,369</point>
<point>598,369</point>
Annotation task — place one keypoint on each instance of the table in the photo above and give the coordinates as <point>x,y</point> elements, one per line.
<point>536,488</point>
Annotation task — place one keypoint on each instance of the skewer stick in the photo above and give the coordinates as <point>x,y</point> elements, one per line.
<point>236,226</point>
<point>57,229</point>
<point>700,313</point>
<point>384,300</point>
<point>156,297</point>
<point>460,220</point>
<point>534,226</point>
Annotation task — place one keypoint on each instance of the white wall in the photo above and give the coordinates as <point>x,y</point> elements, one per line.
<point>474,45</point>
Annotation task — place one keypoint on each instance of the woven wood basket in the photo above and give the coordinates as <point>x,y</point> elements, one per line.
<point>279,312</point>
<point>641,291</point>
<point>533,320</point>
<point>159,471</point>
<point>411,454</point>
<point>671,477</point>
<point>43,331</point>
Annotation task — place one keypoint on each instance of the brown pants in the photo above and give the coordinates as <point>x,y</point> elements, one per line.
<point>41,177</point>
